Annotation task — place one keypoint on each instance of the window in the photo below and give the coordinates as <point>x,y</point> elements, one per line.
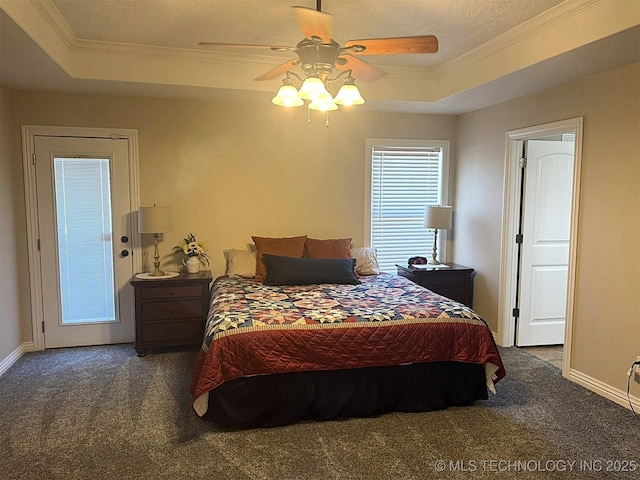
<point>404,176</point>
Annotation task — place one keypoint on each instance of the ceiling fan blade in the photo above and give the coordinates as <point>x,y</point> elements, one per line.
<point>279,48</point>
<point>361,70</point>
<point>398,45</point>
<point>278,71</point>
<point>314,24</point>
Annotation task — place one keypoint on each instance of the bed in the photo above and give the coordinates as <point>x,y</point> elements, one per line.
<point>274,354</point>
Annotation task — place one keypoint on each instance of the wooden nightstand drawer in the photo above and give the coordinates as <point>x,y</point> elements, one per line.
<point>168,332</point>
<point>455,293</point>
<point>171,292</point>
<point>171,310</point>
<point>449,279</point>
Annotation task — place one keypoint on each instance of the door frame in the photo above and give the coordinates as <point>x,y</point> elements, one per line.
<point>510,221</point>
<point>29,132</point>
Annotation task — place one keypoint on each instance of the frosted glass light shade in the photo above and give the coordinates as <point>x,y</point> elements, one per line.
<point>154,219</point>
<point>323,103</point>
<point>349,95</point>
<point>287,96</point>
<point>311,88</point>
<point>438,217</point>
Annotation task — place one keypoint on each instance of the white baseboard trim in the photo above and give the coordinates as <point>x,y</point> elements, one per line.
<point>13,357</point>
<point>604,390</point>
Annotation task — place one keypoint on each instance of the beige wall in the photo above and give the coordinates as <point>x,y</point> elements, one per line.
<point>606,331</point>
<point>15,326</point>
<point>230,171</point>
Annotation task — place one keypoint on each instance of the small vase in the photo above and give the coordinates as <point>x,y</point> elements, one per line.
<point>192,264</point>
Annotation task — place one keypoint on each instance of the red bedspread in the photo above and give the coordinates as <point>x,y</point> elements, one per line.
<point>254,329</point>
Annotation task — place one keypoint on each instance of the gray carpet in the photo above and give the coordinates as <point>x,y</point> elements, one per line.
<point>102,412</point>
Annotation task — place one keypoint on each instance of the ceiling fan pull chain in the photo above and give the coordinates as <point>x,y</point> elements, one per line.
<point>326,122</point>
<point>308,115</point>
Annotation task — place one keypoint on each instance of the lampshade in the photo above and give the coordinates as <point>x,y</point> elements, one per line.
<point>287,97</point>
<point>154,219</point>
<point>349,95</point>
<point>311,88</point>
<point>323,102</point>
<point>437,217</point>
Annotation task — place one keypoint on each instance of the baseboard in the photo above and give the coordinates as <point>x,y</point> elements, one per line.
<point>13,357</point>
<point>604,390</point>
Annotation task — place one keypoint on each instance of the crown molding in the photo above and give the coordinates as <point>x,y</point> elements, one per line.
<point>519,34</point>
<point>567,27</point>
<point>56,21</point>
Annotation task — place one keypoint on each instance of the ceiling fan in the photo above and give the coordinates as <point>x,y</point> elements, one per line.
<point>318,55</point>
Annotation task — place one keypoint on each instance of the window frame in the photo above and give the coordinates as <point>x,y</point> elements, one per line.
<point>445,145</point>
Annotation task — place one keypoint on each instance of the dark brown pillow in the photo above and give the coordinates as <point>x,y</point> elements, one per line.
<point>287,247</point>
<point>332,248</point>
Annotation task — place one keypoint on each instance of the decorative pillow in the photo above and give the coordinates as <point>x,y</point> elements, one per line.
<point>333,248</point>
<point>287,247</point>
<point>366,260</point>
<point>306,271</point>
<point>240,263</point>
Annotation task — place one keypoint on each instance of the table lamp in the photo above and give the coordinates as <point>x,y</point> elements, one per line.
<point>155,220</point>
<point>439,218</point>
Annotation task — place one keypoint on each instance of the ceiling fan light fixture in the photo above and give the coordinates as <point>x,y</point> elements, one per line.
<point>287,96</point>
<point>318,56</point>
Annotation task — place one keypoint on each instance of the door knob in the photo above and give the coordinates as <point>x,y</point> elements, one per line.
<point>124,253</point>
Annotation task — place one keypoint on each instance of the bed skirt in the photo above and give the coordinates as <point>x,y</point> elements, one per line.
<point>284,398</point>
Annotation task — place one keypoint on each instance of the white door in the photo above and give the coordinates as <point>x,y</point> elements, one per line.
<point>545,246</point>
<point>84,225</point>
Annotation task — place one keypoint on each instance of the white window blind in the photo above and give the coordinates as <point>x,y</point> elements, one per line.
<point>85,248</point>
<point>404,180</point>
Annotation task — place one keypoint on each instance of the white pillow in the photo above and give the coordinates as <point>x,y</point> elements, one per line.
<point>366,260</point>
<point>240,263</point>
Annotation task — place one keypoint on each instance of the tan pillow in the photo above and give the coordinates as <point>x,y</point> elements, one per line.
<point>333,248</point>
<point>240,263</point>
<point>366,260</point>
<point>286,247</point>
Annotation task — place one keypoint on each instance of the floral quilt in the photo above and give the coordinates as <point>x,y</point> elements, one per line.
<point>254,329</point>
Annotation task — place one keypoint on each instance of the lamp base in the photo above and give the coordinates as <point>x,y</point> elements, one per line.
<point>432,260</point>
<point>156,260</point>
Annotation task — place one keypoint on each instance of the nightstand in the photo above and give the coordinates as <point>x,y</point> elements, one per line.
<point>455,282</point>
<point>171,312</point>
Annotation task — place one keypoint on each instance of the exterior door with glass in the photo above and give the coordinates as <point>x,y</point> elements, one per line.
<point>85,227</point>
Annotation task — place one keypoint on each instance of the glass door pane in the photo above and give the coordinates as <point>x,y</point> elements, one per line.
<point>85,240</point>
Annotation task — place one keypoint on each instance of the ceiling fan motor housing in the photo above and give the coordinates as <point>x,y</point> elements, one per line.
<point>318,58</point>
